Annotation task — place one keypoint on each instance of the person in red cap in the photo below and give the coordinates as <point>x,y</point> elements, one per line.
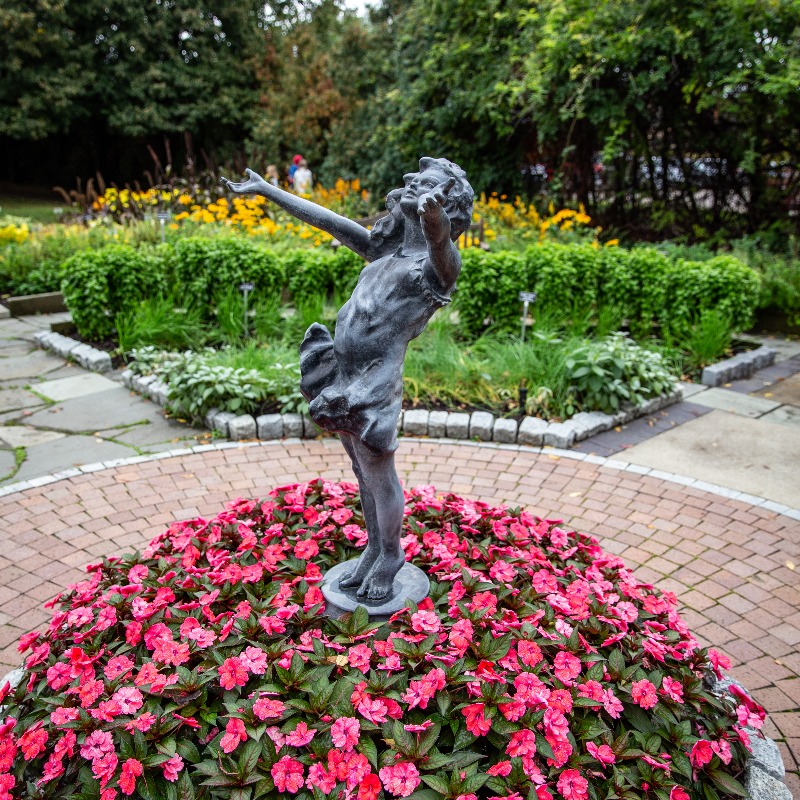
<point>293,168</point>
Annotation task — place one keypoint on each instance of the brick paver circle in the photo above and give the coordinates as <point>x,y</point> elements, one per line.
<point>734,567</point>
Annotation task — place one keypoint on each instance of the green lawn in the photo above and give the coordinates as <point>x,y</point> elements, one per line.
<point>33,208</point>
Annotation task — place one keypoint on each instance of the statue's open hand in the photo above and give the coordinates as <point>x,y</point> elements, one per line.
<point>254,183</point>
<point>430,203</point>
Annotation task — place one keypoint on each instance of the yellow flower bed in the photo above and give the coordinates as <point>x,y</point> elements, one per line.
<point>12,233</point>
<point>255,215</point>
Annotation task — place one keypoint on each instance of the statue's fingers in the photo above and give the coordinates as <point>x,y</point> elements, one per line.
<point>447,185</point>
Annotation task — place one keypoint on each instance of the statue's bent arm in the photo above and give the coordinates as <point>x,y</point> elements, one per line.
<point>349,233</point>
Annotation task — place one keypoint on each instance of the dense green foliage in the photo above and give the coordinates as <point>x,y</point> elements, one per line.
<point>98,284</point>
<point>644,286</point>
<point>675,118</point>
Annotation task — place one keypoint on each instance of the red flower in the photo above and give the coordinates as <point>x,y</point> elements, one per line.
<point>32,742</point>
<point>672,689</point>
<point>477,724</point>
<point>701,753</point>
<point>234,734</point>
<point>572,785</point>
<point>400,779</point>
<point>643,694</point>
<point>288,775</point>
<point>678,793</point>
<point>718,662</point>
<point>131,770</point>
<point>501,768</point>
<point>529,653</point>
<point>345,733</point>
<point>369,787</point>
<point>232,673</point>
<point>523,743</point>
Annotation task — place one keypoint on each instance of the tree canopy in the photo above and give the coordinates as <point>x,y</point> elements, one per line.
<point>684,116</point>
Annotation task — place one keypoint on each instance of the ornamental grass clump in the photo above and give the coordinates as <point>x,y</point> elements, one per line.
<point>205,667</point>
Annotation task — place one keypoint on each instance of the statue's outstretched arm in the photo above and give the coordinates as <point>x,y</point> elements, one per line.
<point>349,233</point>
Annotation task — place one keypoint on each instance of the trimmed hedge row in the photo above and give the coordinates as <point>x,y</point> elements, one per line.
<point>644,286</point>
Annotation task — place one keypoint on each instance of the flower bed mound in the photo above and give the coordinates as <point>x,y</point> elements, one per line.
<point>539,667</point>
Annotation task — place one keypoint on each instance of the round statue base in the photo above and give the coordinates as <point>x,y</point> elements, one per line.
<point>411,583</point>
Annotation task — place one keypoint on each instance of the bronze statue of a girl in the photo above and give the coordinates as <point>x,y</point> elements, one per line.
<point>354,382</point>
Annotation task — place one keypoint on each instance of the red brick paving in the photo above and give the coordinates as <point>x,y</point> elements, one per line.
<point>731,564</point>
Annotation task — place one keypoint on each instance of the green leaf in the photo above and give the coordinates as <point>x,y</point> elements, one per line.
<point>437,783</point>
<point>727,782</point>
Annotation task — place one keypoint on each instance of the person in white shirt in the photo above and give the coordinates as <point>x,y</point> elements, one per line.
<point>303,179</point>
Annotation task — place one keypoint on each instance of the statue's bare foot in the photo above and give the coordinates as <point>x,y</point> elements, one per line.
<point>365,563</point>
<point>377,585</point>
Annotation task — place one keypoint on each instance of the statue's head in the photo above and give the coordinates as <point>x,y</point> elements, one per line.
<point>458,207</point>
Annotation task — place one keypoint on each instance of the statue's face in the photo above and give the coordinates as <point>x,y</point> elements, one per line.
<point>419,183</point>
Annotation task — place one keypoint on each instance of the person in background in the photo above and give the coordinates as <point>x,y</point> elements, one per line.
<point>303,179</point>
<point>272,175</point>
<point>293,168</point>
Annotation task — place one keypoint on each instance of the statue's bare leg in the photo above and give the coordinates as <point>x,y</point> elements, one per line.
<point>380,475</point>
<point>372,550</point>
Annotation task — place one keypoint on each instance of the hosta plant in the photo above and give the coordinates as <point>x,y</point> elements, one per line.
<point>205,667</point>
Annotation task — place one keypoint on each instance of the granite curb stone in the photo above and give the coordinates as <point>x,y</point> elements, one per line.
<point>269,426</point>
<point>242,427</point>
<point>437,424</point>
<point>415,422</point>
<point>293,425</point>
<point>481,424</point>
<point>742,365</point>
<point>87,356</point>
<point>504,430</point>
<point>457,425</point>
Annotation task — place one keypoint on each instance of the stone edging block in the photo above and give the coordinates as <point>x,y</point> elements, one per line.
<point>742,365</point>
<point>88,357</point>
<point>479,425</point>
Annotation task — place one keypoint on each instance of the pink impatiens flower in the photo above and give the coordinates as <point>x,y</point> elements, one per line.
<point>522,743</point>
<point>425,622</point>
<point>643,693</point>
<point>97,744</point>
<point>301,735</point>
<point>572,785</point>
<point>701,753</point>
<point>566,667</point>
<point>678,793</point>
<point>234,734</point>
<point>232,672</point>
<point>672,689</point>
<point>345,733</point>
<point>172,768</point>
<point>267,708</point>
<point>287,775</point>
<point>604,753</point>
<point>400,779</point>
<point>131,770</point>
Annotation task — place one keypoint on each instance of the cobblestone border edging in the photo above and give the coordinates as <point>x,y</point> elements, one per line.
<point>764,770</point>
<point>479,425</point>
<point>88,357</point>
<point>742,365</point>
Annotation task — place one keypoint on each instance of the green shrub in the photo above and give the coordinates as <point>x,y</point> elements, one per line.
<point>100,284</point>
<point>642,286</point>
<point>488,290</point>
<point>204,267</point>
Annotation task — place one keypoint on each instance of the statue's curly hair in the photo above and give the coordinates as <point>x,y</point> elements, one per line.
<point>389,230</point>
